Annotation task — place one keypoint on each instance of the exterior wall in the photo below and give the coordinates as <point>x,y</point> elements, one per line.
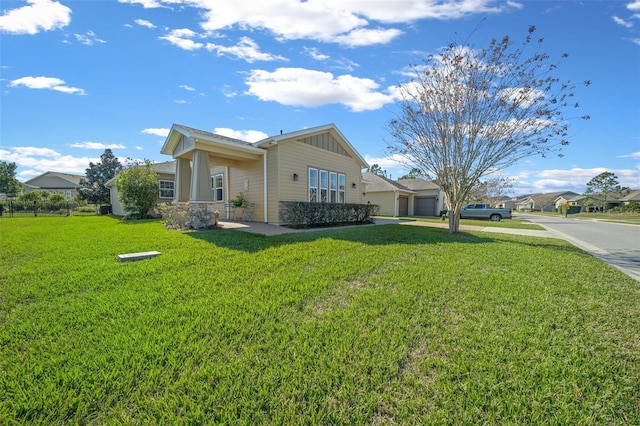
<point>386,201</point>
<point>247,177</point>
<point>116,205</point>
<point>289,157</point>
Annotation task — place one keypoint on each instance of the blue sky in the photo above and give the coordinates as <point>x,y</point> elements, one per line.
<point>81,76</point>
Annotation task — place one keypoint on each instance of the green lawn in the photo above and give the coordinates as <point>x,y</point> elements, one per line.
<point>368,325</point>
<point>516,222</point>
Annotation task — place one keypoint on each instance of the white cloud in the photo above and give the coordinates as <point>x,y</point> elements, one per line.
<point>182,38</point>
<point>243,135</point>
<point>89,38</point>
<point>632,155</point>
<point>622,22</point>
<point>575,179</point>
<point>49,83</point>
<point>156,131</point>
<point>147,4</point>
<point>38,160</point>
<point>180,101</point>
<point>636,41</point>
<point>303,87</point>
<point>188,88</point>
<point>634,5</point>
<point>366,37</point>
<point>246,49</point>
<point>40,15</point>
<point>144,23</point>
<point>315,54</point>
<point>97,145</point>
<point>515,5</point>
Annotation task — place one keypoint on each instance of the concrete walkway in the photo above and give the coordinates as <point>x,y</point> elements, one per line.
<point>270,230</point>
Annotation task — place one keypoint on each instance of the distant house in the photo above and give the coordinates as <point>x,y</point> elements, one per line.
<point>314,165</point>
<point>404,197</point>
<point>545,202</point>
<point>632,197</point>
<point>166,186</point>
<point>56,183</point>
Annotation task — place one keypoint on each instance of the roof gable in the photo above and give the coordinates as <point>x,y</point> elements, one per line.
<point>55,180</point>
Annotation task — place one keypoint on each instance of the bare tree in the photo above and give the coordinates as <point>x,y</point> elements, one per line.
<point>491,191</point>
<point>471,112</point>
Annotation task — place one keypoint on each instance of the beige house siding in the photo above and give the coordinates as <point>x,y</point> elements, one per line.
<point>292,156</point>
<point>385,201</point>
<point>248,177</point>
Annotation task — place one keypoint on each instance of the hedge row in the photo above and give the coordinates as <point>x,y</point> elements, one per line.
<point>300,214</point>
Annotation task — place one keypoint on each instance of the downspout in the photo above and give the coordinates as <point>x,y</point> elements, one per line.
<point>395,204</point>
<point>264,179</point>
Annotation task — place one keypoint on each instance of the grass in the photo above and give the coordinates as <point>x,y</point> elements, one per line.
<point>371,325</point>
<point>515,222</point>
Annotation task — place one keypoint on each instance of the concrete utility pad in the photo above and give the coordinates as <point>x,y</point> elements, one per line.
<point>137,256</point>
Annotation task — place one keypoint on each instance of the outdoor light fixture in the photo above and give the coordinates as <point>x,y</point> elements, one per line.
<point>353,184</point>
<point>295,176</point>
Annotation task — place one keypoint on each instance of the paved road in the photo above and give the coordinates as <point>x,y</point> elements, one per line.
<point>615,243</point>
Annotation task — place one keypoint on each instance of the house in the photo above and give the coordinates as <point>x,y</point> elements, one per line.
<point>315,165</point>
<point>547,201</point>
<point>166,186</point>
<point>405,197</point>
<point>57,183</point>
<point>632,197</point>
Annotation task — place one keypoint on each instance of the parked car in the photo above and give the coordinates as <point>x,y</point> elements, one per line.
<point>484,211</point>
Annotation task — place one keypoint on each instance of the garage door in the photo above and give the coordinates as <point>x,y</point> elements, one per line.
<point>425,206</point>
<point>403,206</point>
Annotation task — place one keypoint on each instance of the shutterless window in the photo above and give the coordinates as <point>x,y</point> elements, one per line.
<point>341,188</point>
<point>333,186</point>
<point>324,186</point>
<point>313,185</point>
<point>167,188</point>
<point>217,187</point>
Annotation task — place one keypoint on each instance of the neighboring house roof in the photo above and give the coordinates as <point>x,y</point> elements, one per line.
<point>417,184</point>
<point>55,180</point>
<point>632,196</point>
<point>381,184</point>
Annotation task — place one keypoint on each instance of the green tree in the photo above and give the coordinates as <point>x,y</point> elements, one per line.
<point>8,183</point>
<point>470,112</point>
<point>377,170</point>
<point>415,173</point>
<point>601,188</point>
<point>93,189</point>
<point>138,188</point>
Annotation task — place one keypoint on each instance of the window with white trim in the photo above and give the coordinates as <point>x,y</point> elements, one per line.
<point>166,188</point>
<point>217,187</point>
<point>326,186</point>
<point>333,187</point>
<point>313,185</point>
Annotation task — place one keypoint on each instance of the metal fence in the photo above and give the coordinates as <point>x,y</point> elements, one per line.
<point>14,208</point>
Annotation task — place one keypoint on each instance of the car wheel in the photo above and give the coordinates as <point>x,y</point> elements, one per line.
<point>495,217</point>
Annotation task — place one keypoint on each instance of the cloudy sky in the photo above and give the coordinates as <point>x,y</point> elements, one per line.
<point>78,77</point>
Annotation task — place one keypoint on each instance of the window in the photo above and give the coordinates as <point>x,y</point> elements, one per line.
<point>313,185</point>
<point>216,186</point>
<point>333,187</point>
<point>166,188</point>
<point>341,188</point>
<point>324,185</point>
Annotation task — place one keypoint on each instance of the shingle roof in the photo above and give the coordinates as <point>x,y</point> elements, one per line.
<point>167,167</point>
<point>209,135</point>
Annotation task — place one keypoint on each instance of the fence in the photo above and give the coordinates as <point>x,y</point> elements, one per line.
<point>14,208</point>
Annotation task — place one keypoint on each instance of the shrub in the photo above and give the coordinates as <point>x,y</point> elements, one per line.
<point>181,216</point>
<point>300,214</point>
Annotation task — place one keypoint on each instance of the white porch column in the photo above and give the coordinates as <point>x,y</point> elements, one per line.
<point>201,178</point>
<point>183,180</point>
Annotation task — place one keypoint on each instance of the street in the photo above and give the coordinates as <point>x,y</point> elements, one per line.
<point>614,243</point>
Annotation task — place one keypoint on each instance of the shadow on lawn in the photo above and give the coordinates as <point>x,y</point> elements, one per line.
<point>369,235</point>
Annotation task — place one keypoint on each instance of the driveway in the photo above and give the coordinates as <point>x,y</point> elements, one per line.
<point>617,244</point>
